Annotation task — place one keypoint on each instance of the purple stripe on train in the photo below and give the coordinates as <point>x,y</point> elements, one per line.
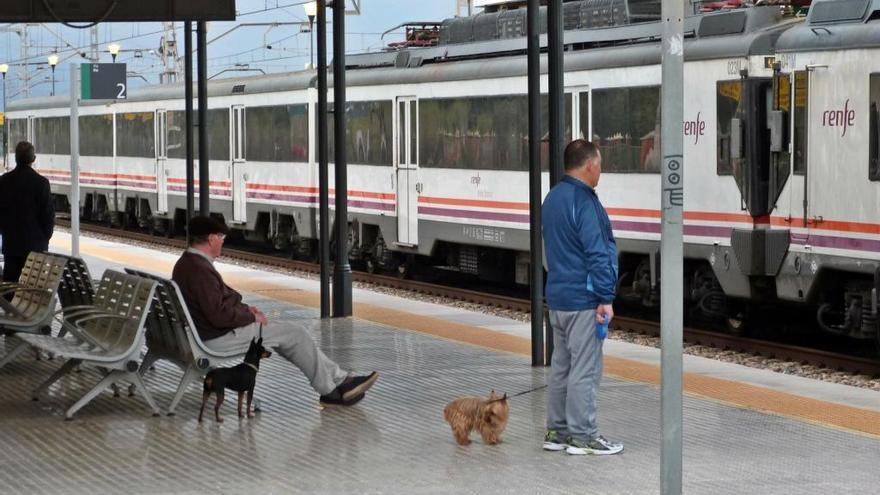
<point>373,205</point>
<point>835,242</point>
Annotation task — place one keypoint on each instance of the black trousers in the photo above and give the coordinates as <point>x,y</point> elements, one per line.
<point>12,266</point>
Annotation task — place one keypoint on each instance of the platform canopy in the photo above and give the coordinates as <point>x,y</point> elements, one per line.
<point>116,10</point>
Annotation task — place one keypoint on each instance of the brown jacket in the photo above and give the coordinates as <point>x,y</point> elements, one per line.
<point>215,307</point>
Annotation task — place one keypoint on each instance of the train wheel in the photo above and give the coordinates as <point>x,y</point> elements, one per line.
<point>737,325</point>
<point>403,270</point>
<point>371,266</point>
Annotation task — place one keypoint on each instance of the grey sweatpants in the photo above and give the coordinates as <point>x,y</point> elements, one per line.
<point>294,344</point>
<point>575,373</point>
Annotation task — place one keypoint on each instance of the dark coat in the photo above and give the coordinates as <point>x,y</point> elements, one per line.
<point>27,212</point>
<point>216,308</point>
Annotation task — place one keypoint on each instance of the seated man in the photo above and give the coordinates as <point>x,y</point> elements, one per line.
<point>224,323</point>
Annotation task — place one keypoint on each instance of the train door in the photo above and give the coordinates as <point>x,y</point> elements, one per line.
<point>239,175</point>
<point>407,163</point>
<point>161,161</point>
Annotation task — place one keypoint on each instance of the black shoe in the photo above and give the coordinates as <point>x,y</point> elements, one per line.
<point>335,399</point>
<point>356,385</point>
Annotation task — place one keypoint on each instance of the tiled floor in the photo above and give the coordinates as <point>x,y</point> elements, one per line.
<point>396,441</point>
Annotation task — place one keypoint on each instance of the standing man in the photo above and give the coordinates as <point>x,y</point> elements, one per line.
<point>27,215</point>
<point>226,324</point>
<point>581,282</point>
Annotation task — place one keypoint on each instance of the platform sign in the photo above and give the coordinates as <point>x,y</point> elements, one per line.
<point>103,82</point>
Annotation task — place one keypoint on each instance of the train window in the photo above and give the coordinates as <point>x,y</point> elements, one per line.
<point>175,135</point>
<point>368,132</point>
<point>874,136</point>
<point>53,134</point>
<point>545,129</point>
<point>96,135</point>
<point>728,99</point>
<point>486,132</point>
<point>782,159</point>
<point>801,97</point>
<point>135,135</point>
<point>278,133</point>
<point>218,134</point>
<point>401,126</point>
<point>626,126</point>
<point>17,132</point>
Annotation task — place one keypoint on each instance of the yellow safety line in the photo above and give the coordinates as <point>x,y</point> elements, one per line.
<point>730,392</point>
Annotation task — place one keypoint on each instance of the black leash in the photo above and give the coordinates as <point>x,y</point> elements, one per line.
<point>518,394</point>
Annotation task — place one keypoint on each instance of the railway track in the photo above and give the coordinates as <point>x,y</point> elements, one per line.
<point>802,355</point>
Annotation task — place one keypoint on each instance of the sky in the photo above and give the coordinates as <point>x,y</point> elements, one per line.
<point>244,49</point>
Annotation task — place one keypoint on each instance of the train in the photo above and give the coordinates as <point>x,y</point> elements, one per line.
<point>782,169</point>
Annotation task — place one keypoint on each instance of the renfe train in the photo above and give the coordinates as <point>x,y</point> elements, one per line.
<point>782,181</point>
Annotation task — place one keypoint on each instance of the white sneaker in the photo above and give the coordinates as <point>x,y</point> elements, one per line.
<point>596,446</point>
<point>554,442</point>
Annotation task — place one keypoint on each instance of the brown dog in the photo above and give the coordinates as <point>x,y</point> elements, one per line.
<point>488,416</point>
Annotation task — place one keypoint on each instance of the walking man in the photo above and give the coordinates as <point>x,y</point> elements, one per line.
<point>27,214</point>
<point>225,323</point>
<point>581,282</point>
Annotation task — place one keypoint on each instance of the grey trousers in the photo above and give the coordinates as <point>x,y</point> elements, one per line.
<point>575,373</point>
<point>294,344</point>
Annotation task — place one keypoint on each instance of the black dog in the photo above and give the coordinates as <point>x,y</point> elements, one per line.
<point>241,378</point>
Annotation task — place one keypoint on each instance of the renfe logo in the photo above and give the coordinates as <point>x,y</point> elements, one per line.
<point>695,128</point>
<point>845,118</point>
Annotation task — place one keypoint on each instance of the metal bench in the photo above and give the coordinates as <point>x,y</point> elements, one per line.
<point>172,335</point>
<point>32,307</point>
<point>108,335</point>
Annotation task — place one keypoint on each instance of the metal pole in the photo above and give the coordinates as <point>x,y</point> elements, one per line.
<point>671,246</point>
<point>74,159</point>
<point>188,121</point>
<point>53,80</point>
<point>342,270</point>
<point>311,41</point>
<point>536,258</point>
<point>204,175</point>
<point>323,159</point>
<point>5,127</point>
<point>556,81</point>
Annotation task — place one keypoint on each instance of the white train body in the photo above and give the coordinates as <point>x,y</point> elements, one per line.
<point>437,154</point>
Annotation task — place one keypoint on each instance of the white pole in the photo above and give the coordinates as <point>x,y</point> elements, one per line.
<point>671,246</point>
<point>74,160</point>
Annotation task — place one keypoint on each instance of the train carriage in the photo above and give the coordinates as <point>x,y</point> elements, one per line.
<point>437,146</point>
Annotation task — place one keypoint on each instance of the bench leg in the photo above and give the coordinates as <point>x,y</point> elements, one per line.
<point>190,375</point>
<point>106,382</point>
<point>15,352</point>
<point>149,360</point>
<point>63,370</point>
<point>136,379</point>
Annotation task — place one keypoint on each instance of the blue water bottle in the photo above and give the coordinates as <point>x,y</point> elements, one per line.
<point>602,328</point>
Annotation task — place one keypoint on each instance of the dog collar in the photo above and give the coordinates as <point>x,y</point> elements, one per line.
<point>252,366</point>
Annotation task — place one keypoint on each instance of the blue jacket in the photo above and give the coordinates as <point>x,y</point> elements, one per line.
<point>580,248</point>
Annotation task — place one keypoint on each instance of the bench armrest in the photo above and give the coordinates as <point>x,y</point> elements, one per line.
<point>75,328</point>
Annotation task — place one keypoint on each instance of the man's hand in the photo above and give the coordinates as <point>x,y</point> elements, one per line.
<point>604,313</point>
<point>259,317</point>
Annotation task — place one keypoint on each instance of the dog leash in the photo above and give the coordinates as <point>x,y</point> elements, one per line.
<point>518,394</point>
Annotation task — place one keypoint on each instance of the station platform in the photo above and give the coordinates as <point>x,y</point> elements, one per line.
<point>745,430</point>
